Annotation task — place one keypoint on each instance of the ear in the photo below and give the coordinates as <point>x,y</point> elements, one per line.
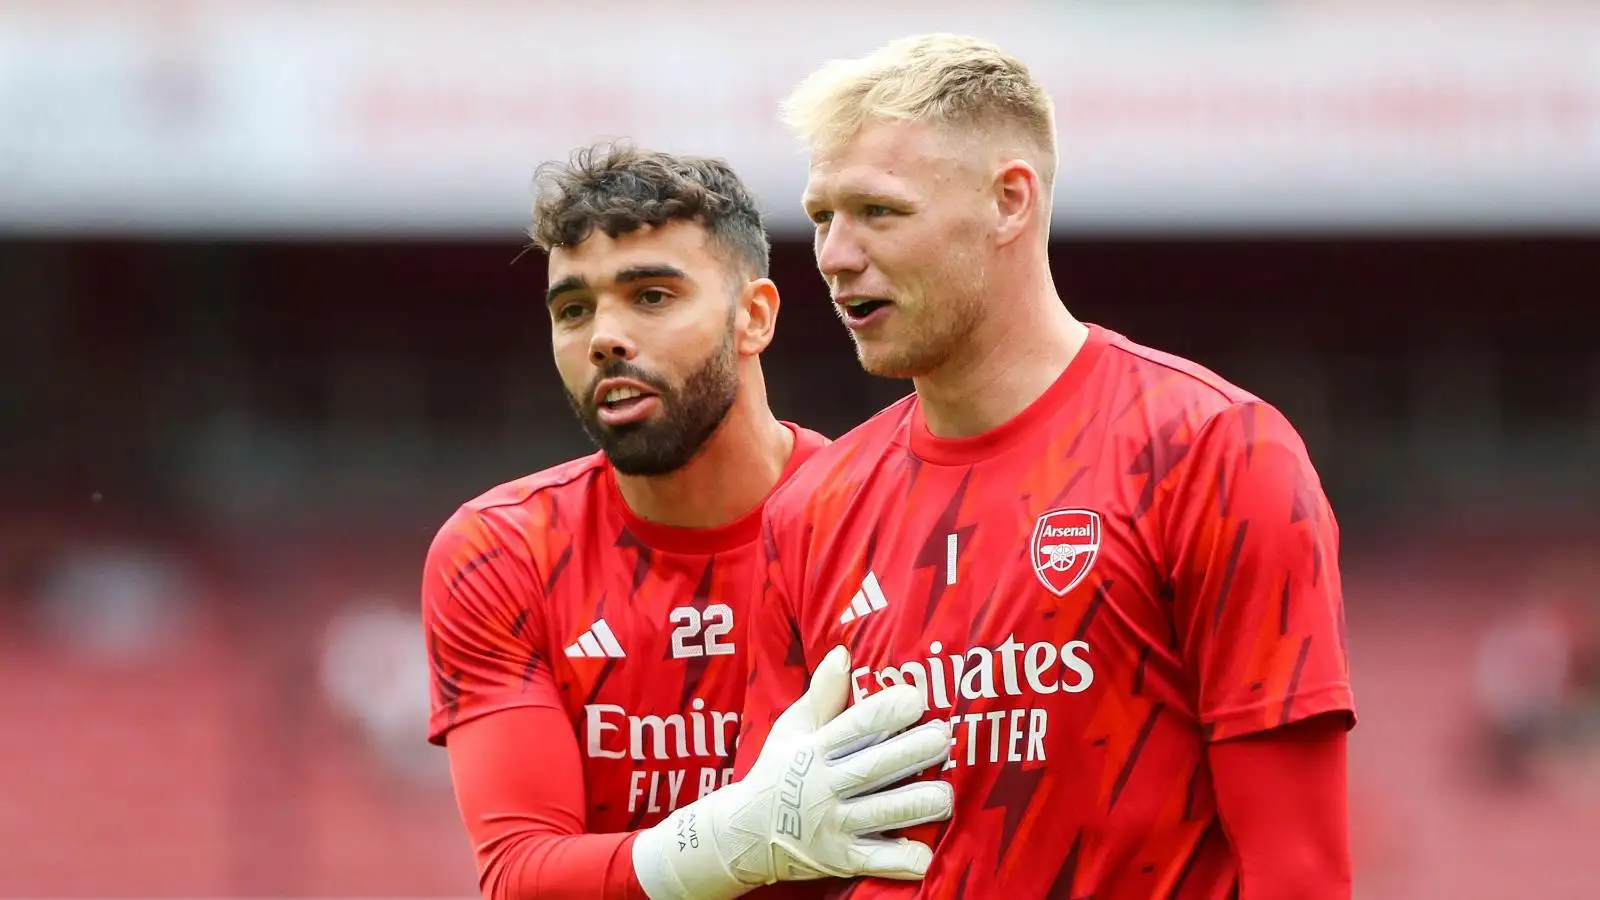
<point>1017,197</point>
<point>758,316</point>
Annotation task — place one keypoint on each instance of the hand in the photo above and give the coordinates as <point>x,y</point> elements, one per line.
<point>811,806</point>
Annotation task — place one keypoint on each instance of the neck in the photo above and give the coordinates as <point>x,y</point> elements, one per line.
<point>1023,344</point>
<point>730,476</point>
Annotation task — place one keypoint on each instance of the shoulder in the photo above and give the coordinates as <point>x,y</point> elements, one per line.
<point>1181,382</point>
<point>843,463</point>
<point>568,479</point>
<point>486,563</point>
<point>511,514</point>
<point>1205,428</point>
<point>806,441</point>
<point>1188,404</point>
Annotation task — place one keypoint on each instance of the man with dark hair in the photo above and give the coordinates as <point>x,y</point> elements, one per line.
<point>585,624</point>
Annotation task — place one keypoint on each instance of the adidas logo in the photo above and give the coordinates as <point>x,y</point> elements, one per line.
<point>596,642</point>
<point>869,599</point>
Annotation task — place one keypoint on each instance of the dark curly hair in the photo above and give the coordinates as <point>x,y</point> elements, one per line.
<point>619,188</point>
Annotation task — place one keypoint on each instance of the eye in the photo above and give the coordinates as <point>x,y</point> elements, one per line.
<point>874,210</point>
<point>566,312</point>
<point>821,217</point>
<point>653,296</point>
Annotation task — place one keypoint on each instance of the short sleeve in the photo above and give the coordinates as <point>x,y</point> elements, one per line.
<point>777,674</point>
<point>1257,595</point>
<point>483,625</point>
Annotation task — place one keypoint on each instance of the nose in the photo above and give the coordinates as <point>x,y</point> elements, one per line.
<point>838,250</point>
<point>610,340</point>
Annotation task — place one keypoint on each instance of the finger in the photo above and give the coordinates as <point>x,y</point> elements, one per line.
<point>899,807</point>
<point>898,858</point>
<point>872,719</point>
<point>885,763</point>
<point>826,696</point>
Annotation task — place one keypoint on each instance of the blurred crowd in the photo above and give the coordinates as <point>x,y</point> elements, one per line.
<point>215,726</point>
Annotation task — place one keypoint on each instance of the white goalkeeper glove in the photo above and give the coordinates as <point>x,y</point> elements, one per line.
<point>808,809</point>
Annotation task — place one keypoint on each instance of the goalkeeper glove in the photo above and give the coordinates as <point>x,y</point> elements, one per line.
<point>807,809</point>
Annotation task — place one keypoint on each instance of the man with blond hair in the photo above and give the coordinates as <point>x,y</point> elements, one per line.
<point>1114,573</point>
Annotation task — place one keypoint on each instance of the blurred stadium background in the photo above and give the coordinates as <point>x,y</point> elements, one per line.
<point>263,324</point>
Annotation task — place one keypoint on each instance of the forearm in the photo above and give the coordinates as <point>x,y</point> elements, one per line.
<point>1283,803</point>
<point>526,865</point>
<point>521,795</point>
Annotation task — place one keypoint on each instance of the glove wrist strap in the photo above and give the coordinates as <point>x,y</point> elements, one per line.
<point>679,859</point>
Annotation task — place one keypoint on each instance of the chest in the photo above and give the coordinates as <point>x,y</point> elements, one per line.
<point>1017,583</point>
<point>650,632</point>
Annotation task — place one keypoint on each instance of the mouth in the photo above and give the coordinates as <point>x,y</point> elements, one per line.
<point>860,312</point>
<point>619,402</point>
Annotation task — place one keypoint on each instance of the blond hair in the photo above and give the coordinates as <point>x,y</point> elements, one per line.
<point>959,82</point>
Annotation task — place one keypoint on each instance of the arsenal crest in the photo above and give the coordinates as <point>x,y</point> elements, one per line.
<point>1065,544</point>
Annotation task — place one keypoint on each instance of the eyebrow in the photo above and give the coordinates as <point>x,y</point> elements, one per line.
<point>858,196</point>
<point>626,276</point>
<point>565,286</point>
<point>649,273</point>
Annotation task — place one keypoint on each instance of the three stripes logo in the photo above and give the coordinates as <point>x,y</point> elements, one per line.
<point>868,600</point>
<point>596,642</point>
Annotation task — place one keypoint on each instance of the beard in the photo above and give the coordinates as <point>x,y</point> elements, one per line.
<point>690,414</point>
<point>936,328</point>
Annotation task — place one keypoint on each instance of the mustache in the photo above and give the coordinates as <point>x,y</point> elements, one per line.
<point>623,369</point>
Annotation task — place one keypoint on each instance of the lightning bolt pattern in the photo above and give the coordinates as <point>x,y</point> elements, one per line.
<point>515,589</point>
<point>1197,599</point>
